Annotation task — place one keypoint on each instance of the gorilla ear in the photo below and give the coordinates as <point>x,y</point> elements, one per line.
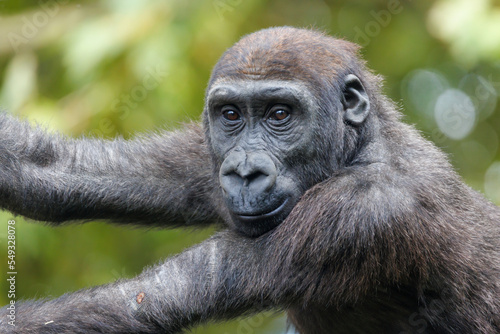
<point>355,100</point>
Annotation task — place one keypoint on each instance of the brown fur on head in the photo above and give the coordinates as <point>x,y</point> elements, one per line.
<point>287,53</point>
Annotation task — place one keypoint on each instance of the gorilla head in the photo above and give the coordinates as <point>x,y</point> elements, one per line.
<point>284,110</point>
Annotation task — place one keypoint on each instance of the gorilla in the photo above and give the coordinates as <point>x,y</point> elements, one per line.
<point>330,207</point>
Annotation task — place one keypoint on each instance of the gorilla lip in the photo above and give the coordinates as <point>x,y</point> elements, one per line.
<point>266,215</point>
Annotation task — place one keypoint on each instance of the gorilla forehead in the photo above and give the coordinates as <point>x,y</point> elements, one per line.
<point>231,90</point>
<point>287,53</point>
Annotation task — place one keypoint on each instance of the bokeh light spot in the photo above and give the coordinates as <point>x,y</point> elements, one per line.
<point>455,114</point>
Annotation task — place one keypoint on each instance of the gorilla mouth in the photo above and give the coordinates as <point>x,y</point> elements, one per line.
<point>263,216</point>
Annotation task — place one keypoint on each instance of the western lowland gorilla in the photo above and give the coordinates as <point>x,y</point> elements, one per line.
<point>335,210</point>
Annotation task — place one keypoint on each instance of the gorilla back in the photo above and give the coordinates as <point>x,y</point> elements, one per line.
<point>332,208</point>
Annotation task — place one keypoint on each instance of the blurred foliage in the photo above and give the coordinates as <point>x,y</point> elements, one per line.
<point>110,67</point>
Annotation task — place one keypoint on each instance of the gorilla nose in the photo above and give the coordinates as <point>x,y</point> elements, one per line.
<point>254,173</point>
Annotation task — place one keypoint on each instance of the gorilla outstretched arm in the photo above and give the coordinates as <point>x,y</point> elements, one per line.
<point>202,283</point>
<point>162,179</point>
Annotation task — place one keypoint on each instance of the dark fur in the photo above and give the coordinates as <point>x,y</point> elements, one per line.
<point>389,240</point>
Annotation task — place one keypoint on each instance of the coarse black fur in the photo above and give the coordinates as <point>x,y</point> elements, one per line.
<point>355,225</point>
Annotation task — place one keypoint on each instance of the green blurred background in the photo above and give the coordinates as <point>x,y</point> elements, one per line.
<point>109,67</point>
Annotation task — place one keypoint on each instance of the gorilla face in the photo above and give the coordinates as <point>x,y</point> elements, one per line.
<point>266,137</point>
<point>259,136</point>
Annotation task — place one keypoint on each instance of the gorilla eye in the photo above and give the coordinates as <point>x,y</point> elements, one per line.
<point>279,113</point>
<point>230,114</point>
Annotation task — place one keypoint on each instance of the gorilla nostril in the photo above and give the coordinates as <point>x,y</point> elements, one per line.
<point>259,182</point>
<point>254,177</point>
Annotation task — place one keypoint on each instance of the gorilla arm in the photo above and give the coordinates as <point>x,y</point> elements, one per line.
<point>164,179</point>
<point>197,285</point>
<point>370,236</point>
